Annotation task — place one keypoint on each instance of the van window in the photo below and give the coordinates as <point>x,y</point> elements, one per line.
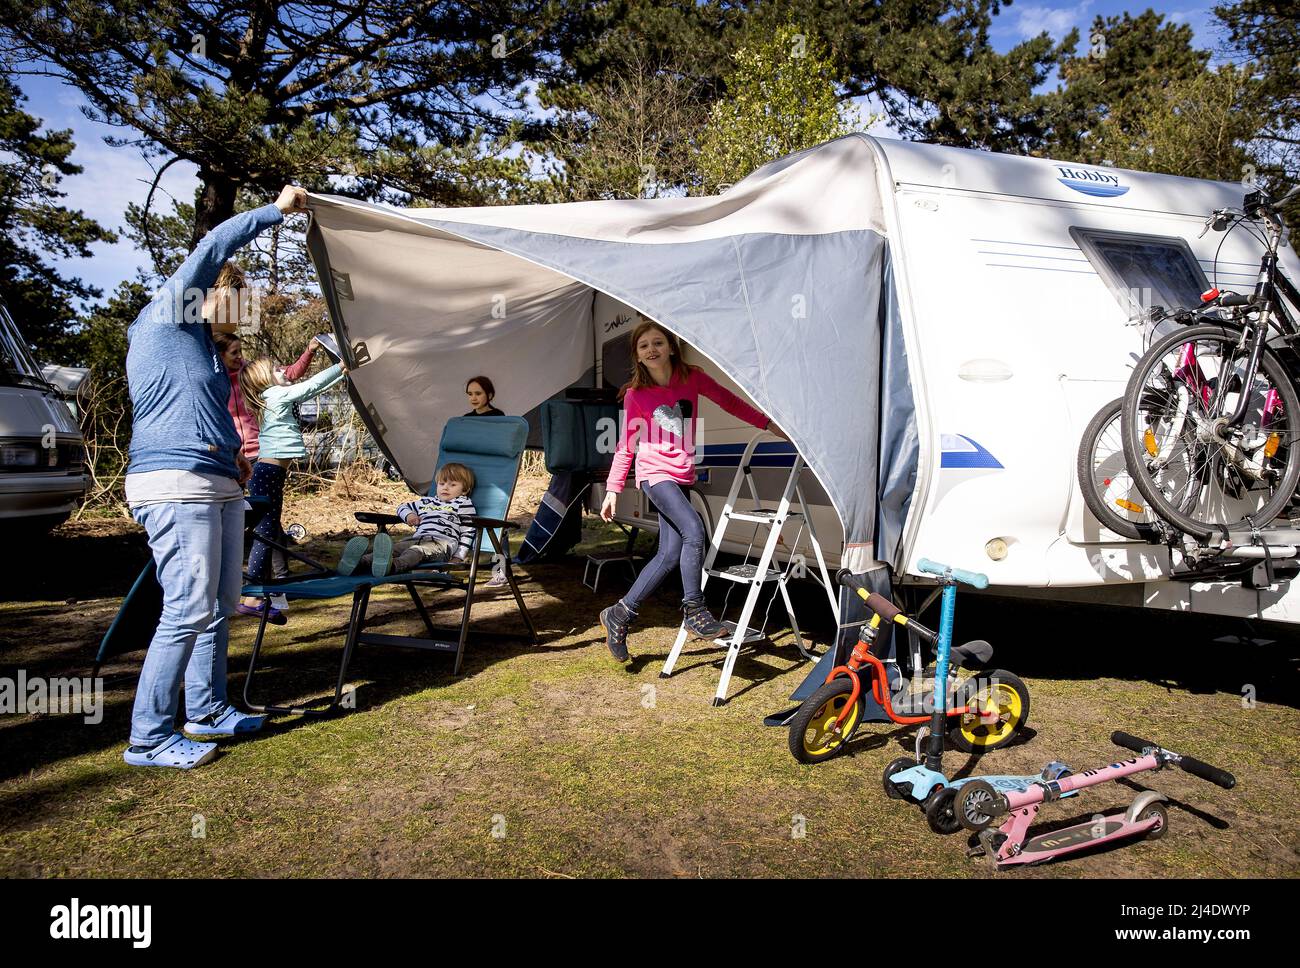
<point>1144,270</point>
<point>16,363</point>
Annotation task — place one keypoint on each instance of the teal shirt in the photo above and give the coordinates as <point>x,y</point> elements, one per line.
<point>279,435</point>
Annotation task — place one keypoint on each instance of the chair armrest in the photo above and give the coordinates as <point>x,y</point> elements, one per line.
<point>376,517</point>
<point>495,523</point>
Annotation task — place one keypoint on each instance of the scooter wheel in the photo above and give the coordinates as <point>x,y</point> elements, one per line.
<point>897,791</point>
<point>812,738</point>
<point>939,812</point>
<point>1155,810</point>
<point>978,805</point>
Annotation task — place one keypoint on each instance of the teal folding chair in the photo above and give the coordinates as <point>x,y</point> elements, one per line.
<point>492,447</point>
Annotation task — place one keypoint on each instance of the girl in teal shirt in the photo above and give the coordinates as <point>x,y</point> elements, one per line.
<point>269,395</point>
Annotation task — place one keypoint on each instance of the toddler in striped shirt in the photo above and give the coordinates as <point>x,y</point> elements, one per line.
<point>444,528</point>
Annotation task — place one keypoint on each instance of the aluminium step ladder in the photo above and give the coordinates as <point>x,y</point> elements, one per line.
<point>755,576</point>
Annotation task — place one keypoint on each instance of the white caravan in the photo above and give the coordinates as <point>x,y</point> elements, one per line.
<point>934,327</point>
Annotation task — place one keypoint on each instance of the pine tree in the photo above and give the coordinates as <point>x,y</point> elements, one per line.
<point>34,227</point>
<point>258,93</point>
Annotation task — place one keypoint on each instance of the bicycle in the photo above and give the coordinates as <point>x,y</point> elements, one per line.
<point>977,715</point>
<point>1209,418</point>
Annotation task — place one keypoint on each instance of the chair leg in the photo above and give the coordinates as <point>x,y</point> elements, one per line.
<point>360,602</point>
<point>465,611</point>
<point>514,589</point>
<point>424,612</point>
<point>252,661</point>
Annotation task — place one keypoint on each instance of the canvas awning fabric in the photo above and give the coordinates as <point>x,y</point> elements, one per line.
<point>778,282</point>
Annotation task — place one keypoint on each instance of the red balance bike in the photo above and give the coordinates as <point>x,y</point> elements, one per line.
<point>985,711</point>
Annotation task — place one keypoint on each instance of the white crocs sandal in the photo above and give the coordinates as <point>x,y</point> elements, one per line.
<point>229,723</point>
<point>177,752</point>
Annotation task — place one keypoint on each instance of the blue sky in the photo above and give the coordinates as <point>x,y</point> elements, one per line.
<point>112,177</point>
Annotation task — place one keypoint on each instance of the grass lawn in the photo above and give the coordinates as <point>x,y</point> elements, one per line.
<point>552,761</point>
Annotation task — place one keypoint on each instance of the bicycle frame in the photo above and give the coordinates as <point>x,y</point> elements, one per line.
<point>1271,282</point>
<point>880,691</point>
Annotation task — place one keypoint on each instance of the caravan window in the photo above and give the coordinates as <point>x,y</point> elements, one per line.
<point>1144,270</point>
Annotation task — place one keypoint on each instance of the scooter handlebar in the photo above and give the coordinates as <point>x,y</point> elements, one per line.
<point>1131,742</point>
<point>973,578</point>
<point>1188,764</point>
<point>1206,772</point>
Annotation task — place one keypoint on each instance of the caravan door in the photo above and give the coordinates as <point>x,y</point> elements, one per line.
<point>722,439</point>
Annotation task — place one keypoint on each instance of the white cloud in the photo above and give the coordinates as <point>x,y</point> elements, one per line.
<point>1034,19</point>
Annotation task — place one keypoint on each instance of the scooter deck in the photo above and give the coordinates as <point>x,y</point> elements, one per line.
<point>1045,847</point>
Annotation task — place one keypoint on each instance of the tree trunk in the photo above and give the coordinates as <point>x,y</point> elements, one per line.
<point>215,204</point>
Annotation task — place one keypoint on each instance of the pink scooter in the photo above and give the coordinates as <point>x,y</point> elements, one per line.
<point>979,805</point>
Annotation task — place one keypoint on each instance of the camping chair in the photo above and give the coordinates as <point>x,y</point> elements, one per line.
<point>492,447</point>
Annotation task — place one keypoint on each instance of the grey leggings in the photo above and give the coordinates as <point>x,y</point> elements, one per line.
<point>681,544</point>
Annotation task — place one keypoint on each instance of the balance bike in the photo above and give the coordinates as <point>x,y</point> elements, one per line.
<point>987,714</point>
<point>979,804</point>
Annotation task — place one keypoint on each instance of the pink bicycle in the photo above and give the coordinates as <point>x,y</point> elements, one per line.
<point>980,804</point>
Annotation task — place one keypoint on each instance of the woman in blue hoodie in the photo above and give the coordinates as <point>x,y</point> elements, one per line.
<point>184,485</point>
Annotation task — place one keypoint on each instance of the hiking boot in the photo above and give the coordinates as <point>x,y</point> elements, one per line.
<point>697,617</point>
<point>617,619</point>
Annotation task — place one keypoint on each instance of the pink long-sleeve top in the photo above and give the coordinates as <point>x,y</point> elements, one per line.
<point>247,423</point>
<point>659,427</point>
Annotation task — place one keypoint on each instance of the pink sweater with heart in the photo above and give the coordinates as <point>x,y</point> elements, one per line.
<point>659,427</point>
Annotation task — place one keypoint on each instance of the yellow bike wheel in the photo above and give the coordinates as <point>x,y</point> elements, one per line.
<point>812,738</point>
<point>998,691</point>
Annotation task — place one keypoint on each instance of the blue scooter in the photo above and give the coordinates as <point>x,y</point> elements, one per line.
<point>921,778</point>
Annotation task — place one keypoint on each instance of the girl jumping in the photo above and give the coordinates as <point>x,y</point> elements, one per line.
<point>660,406</point>
<point>270,395</point>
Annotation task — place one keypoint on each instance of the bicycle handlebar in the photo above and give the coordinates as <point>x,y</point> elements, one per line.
<point>973,578</point>
<point>1230,299</point>
<point>1187,764</point>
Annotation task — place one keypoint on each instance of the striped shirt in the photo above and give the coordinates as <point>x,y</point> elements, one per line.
<point>452,522</point>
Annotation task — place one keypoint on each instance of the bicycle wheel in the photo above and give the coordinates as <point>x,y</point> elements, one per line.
<point>1107,487</point>
<point>1175,419</point>
<point>811,737</point>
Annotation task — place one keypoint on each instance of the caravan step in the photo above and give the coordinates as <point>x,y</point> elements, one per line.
<point>751,635</point>
<point>743,573</point>
<point>760,515</point>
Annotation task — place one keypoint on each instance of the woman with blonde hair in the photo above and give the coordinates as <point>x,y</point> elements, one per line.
<point>270,395</point>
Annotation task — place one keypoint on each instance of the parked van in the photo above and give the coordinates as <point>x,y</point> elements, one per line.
<point>42,455</point>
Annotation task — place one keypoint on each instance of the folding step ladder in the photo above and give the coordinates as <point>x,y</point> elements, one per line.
<point>755,576</point>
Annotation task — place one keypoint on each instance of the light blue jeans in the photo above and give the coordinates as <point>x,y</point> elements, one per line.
<point>198,550</point>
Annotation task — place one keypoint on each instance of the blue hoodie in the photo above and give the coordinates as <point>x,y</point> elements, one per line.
<point>179,387</point>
